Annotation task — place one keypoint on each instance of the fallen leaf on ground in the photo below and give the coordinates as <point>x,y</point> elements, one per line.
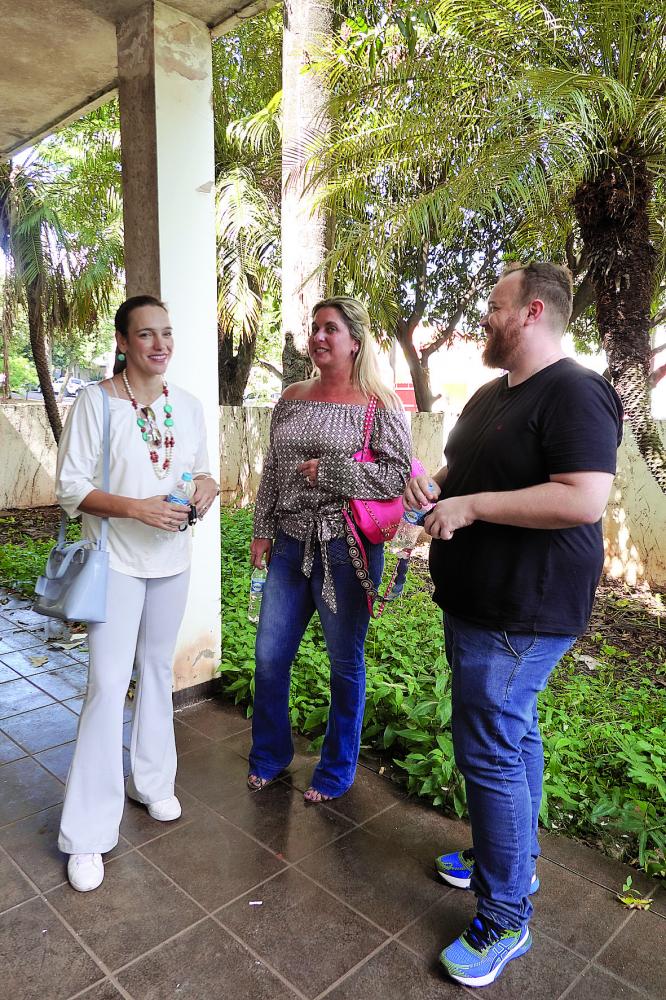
<point>634,902</point>
<point>38,661</point>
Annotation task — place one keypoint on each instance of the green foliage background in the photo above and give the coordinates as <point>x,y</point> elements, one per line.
<point>603,730</point>
<point>604,740</point>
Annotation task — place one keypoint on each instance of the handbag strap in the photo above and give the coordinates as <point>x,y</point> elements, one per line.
<point>370,411</point>
<point>359,560</point>
<point>106,461</point>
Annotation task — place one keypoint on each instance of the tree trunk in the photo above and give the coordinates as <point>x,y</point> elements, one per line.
<point>296,366</point>
<point>612,211</point>
<point>303,228</point>
<point>41,357</point>
<point>6,324</point>
<point>234,369</point>
<point>418,368</point>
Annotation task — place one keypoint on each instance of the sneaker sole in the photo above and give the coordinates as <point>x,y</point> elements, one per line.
<point>459,883</point>
<point>518,949</point>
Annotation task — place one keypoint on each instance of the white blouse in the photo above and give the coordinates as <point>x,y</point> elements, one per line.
<point>135,549</point>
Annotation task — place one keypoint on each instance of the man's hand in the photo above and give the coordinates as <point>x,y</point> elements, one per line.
<point>449,515</point>
<point>260,550</point>
<point>419,492</point>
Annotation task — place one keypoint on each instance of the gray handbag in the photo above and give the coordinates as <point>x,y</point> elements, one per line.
<point>73,586</point>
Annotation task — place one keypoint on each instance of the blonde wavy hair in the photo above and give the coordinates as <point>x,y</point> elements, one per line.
<point>365,373</point>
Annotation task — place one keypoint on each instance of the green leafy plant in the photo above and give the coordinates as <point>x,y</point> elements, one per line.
<point>604,742</point>
<point>602,717</point>
<point>629,898</point>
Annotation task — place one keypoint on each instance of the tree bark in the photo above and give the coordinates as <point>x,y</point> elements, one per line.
<point>296,366</point>
<point>304,229</point>
<point>234,369</point>
<point>418,367</point>
<point>612,211</point>
<point>41,357</point>
<point>7,323</point>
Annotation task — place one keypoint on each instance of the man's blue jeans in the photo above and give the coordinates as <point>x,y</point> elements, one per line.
<point>289,601</point>
<point>496,677</point>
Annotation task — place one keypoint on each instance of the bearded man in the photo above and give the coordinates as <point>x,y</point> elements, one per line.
<point>516,556</point>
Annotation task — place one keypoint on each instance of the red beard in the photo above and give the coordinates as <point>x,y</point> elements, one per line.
<point>501,345</point>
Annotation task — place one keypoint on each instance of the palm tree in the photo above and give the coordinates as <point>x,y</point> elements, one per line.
<point>246,76</point>
<point>61,229</point>
<point>533,108</point>
<point>248,243</point>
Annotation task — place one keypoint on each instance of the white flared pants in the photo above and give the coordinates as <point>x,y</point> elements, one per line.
<point>144,616</point>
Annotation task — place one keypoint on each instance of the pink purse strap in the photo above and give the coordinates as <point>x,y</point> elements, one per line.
<point>369,421</point>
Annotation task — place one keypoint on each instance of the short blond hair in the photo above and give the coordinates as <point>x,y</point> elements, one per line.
<point>552,283</point>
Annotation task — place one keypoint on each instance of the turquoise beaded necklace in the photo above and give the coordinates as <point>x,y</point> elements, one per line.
<point>153,439</point>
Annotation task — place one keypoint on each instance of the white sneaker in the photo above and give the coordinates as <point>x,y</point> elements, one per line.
<point>165,809</point>
<point>85,871</point>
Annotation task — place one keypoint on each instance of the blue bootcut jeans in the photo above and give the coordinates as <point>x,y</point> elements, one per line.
<point>496,677</point>
<point>289,601</point>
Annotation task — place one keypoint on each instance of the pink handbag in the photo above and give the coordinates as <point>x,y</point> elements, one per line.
<point>377,519</point>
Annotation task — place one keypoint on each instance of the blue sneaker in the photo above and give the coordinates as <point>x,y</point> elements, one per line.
<point>478,956</point>
<point>456,869</point>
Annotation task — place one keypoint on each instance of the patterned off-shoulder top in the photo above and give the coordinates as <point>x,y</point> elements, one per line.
<point>302,429</point>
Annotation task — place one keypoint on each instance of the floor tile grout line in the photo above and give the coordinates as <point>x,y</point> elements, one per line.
<point>592,961</point>
<point>625,982</point>
<point>229,822</point>
<point>81,995</point>
<point>359,913</point>
<point>350,972</point>
<point>171,880</point>
<point>88,989</point>
<point>89,951</point>
<point>589,878</point>
<point>42,896</point>
<point>34,753</point>
<point>157,947</point>
<point>258,958</point>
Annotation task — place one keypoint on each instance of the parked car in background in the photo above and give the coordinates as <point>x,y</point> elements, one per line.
<point>261,399</point>
<point>74,385</point>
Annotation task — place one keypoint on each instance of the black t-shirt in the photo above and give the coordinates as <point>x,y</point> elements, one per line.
<point>565,418</point>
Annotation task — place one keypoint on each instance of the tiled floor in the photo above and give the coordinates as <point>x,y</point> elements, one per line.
<point>256,896</point>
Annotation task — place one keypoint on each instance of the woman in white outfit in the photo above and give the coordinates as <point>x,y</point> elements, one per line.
<point>157,433</point>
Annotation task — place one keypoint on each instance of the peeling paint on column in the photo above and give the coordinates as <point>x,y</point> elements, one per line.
<point>206,188</point>
<point>135,43</point>
<point>194,663</point>
<point>178,52</point>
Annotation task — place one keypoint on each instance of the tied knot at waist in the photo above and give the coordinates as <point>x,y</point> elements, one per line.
<point>322,530</point>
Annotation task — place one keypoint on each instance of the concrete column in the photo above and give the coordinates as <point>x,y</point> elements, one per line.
<point>166,115</point>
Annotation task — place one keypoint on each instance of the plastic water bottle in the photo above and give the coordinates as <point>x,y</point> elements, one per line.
<point>182,494</point>
<point>257,581</point>
<point>408,532</point>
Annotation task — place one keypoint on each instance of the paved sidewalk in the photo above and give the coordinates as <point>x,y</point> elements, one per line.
<point>255,896</point>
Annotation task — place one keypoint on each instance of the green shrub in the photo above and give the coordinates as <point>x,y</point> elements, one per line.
<point>603,729</point>
<point>604,741</point>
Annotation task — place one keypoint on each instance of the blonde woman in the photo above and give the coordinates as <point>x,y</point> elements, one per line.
<point>309,474</point>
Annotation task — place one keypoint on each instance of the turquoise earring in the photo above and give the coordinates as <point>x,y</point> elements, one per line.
<point>121,357</point>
